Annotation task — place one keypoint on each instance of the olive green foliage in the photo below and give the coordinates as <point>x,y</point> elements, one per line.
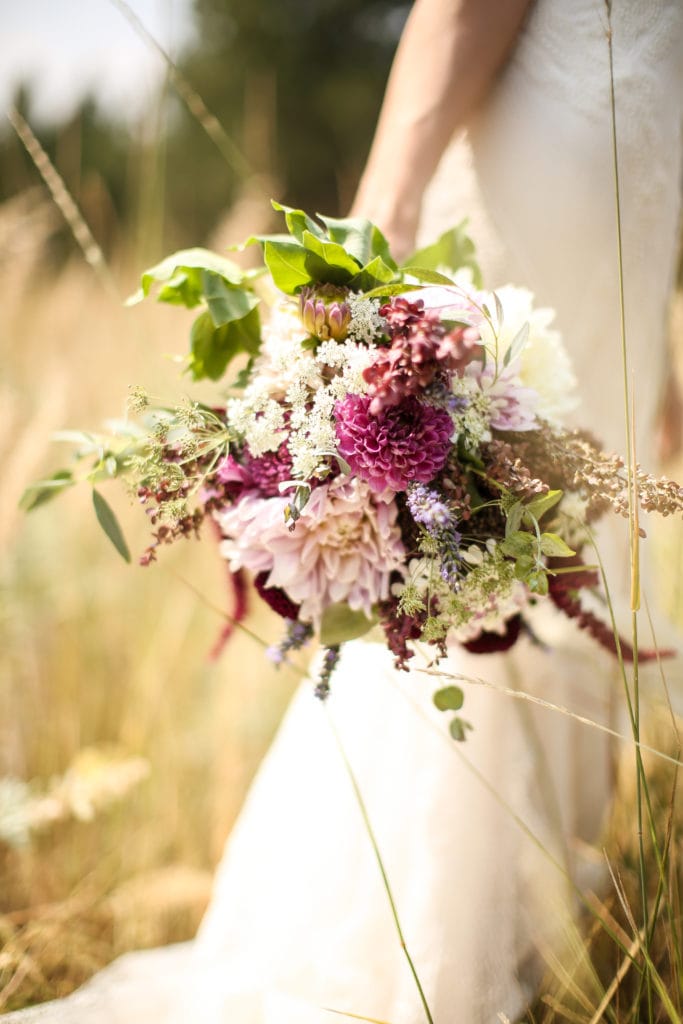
<point>295,84</point>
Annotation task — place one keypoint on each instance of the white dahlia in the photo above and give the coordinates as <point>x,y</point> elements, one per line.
<point>344,547</point>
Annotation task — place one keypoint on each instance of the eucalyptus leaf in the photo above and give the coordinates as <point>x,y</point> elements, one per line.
<point>39,493</point>
<point>537,582</point>
<point>450,698</point>
<point>458,729</point>
<point>517,344</point>
<point>454,249</point>
<point>110,524</point>
<point>554,546</point>
<point>341,623</point>
<point>499,310</point>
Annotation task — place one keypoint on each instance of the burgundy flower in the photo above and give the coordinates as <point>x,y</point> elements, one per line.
<point>275,597</point>
<point>493,643</point>
<point>421,347</point>
<point>404,444</point>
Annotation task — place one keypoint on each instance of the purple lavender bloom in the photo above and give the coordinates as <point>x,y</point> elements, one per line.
<point>297,636</point>
<point>427,508</point>
<point>431,512</point>
<point>406,443</point>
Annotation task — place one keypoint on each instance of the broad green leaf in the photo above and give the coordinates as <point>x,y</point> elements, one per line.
<point>298,221</point>
<point>45,490</point>
<point>518,544</point>
<point>212,348</point>
<point>524,566</point>
<point>179,274</point>
<point>450,698</point>
<point>458,729</point>
<point>110,525</point>
<point>340,623</point>
<point>360,237</point>
<point>331,253</point>
<point>538,507</point>
<point>554,546</point>
<point>427,276</point>
<point>373,275</point>
<point>286,262</point>
<point>226,303</point>
<point>454,249</point>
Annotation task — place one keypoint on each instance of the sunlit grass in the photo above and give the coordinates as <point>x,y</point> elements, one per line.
<point>93,652</point>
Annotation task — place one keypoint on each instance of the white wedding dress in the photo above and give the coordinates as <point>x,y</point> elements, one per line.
<point>300,922</point>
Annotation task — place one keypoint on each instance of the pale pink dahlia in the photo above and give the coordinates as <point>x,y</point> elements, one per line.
<point>344,547</point>
<point>406,443</point>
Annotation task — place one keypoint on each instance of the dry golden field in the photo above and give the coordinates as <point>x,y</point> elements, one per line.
<point>102,663</point>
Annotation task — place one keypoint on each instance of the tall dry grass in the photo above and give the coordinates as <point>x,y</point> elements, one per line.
<point>95,653</point>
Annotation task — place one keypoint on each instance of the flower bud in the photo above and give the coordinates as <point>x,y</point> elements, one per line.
<point>324,313</point>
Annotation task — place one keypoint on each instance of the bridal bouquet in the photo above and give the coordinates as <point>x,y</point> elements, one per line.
<point>390,454</point>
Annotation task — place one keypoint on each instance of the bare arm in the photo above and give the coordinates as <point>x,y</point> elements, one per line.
<point>448,56</point>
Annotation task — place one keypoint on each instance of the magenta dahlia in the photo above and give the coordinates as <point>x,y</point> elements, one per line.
<point>406,443</point>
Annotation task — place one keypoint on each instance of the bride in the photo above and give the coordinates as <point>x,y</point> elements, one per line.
<point>483,841</point>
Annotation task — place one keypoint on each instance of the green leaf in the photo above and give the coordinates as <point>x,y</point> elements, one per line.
<point>554,546</point>
<point>110,525</point>
<point>212,348</point>
<point>45,490</point>
<point>427,275</point>
<point>373,275</point>
<point>524,567</point>
<point>499,310</point>
<point>360,238</point>
<point>286,262</point>
<point>454,249</point>
<point>180,277</point>
<point>514,518</point>
<point>537,582</point>
<point>340,623</point>
<point>517,344</point>
<point>518,544</point>
<point>538,507</point>
<point>331,253</point>
<point>298,221</point>
<point>450,698</point>
<point>226,303</point>
<point>458,729</point>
